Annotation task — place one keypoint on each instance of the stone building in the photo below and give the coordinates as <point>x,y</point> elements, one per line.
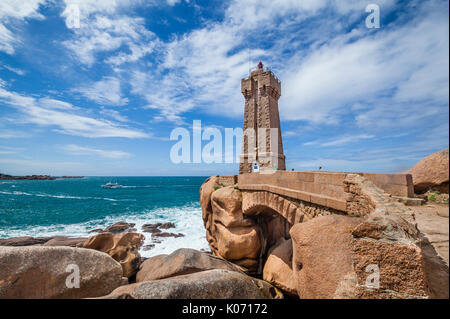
<point>262,143</point>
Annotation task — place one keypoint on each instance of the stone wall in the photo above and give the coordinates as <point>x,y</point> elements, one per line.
<point>322,188</point>
<point>227,180</point>
<point>394,184</point>
<point>325,189</point>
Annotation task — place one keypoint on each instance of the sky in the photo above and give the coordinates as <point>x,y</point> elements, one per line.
<point>101,98</point>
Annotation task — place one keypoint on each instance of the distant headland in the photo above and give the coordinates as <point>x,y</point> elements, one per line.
<point>35,177</point>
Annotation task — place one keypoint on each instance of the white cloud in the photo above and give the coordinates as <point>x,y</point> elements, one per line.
<point>378,158</point>
<point>341,140</point>
<point>18,166</point>
<point>254,13</point>
<point>106,91</point>
<point>64,120</point>
<point>290,134</point>
<point>7,134</point>
<point>7,40</point>
<point>114,114</point>
<point>88,7</point>
<point>202,68</point>
<point>411,61</point>
<point>82,150</point>
<point>104,30</point>
<point>20,9</point>
<point>327,73</point>
<point>11,12</point>
<point>167,95</point>
<point>173,2</point>
<point>50,103</point>
<point>10,150</point>
<point>15,70</point>
<point>199,70</point>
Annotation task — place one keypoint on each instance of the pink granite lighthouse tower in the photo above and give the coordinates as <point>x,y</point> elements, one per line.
<point>261,143</point>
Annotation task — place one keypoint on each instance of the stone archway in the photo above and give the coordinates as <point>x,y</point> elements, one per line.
<point>256,202</point>
<point>242,225</point>
<point>274,214</point>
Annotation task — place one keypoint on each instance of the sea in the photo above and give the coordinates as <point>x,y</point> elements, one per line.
<point>74,206</point>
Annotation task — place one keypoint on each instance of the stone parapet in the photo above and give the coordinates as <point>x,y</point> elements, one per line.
<point>393,184</point>
<point>227,180</point>
<point>322,188</point>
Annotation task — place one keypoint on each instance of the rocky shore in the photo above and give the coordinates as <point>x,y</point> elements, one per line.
<point>324,256</point>
<point>34,177</point>
<point>263,245</point>
<point>110,267</point>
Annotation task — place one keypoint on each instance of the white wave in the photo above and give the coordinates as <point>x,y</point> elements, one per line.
<point>64,196</point>
<point>187,219</point>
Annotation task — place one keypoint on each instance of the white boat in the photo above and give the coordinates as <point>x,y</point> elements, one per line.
<point>112,185</point>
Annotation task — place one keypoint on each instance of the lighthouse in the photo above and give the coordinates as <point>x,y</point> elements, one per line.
<point>262,143</point>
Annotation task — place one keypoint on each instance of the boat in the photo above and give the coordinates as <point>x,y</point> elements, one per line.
<point>112,185</point>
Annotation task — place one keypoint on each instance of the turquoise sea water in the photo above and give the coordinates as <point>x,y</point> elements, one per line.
<point>72,207</point>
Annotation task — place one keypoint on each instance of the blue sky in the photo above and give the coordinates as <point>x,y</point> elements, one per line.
<point>102,99</point>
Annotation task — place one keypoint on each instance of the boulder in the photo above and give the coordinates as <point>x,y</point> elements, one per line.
<point>119,227</point>
<point>432,221</point>
<point>322,254</point>
<point>181,262</point>
<point>42,272</point>
<point>44,241</point>
<point>226,203</point>
<point>331,260</point>
<point>156,228</point>
<point>436,270</point>
<point>24,241</point>
<point>122,292</point>
<point>278,267</point>
<point>97,230</point>
<point>431,172</point>
<point>150,228</point>
<point>390,239</point>
<point>165,234</point>
<point>235,237</point>
<point>210,284</point>
<point>206,190</point>
<point>167,225</point>
<point>123,247</point>
<point>65,241</point>
<point>379,255</point>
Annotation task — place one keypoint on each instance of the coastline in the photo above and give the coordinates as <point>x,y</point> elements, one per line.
<point>74,207</point>
<point>233,261</point>
<point>35,177</point>
<point>256,230</point>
